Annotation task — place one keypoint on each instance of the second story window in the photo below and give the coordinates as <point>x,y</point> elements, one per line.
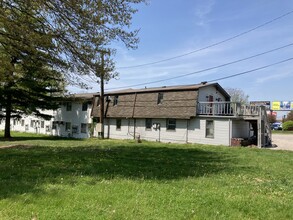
<point>68,106</point>
<point>160,98</point>
<point>115,102</point>
<point>98,101</point>
<point>84,106</point>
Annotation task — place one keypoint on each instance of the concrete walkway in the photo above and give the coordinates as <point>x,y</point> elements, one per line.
<point>282,141</point>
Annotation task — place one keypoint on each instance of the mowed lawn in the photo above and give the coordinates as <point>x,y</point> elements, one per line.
<point>52,178</point>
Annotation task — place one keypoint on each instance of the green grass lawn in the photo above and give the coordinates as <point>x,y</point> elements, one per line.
<point>54,178</point>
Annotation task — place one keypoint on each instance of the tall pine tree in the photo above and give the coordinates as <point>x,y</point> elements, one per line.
<point>30,71</point>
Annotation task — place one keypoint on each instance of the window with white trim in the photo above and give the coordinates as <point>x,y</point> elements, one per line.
<point>83,128</point>
<point>148,124</point>
<point>171,124</point>
<point>118,124</point>
<point>209,129</point>
<point>67,126</point>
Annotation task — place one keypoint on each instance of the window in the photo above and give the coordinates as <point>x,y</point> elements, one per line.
<point>115,102</point>
<point>210,129</point>
<point>67,126</point>
<point>22,122</point>
<point>47,128</point>
<point>98,101</point>
<point>148,123</point>
<point>84,106</point>
<point>83,128</point>
<point>160,98</point>
<point>32,123</point>
<point>54,125</point>
<point>74,129</point>
<point>118,124</point>
<point>42,124</point>
<point>171,124</point>
<point>68,106</point>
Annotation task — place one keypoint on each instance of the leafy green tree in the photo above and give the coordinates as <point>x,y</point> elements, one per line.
<point>289,116</point>
<point>288,126</point>
<point>40,39</point>
<point>272,118</point>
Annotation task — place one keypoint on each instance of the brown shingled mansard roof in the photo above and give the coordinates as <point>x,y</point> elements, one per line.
<point>178,102</point>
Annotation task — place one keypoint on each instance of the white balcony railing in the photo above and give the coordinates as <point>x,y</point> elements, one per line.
<point>226,109</point>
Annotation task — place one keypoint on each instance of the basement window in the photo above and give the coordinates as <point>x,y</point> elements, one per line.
<point>209,129</point>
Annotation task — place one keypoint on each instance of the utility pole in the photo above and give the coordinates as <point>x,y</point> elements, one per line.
<point>102,73</point>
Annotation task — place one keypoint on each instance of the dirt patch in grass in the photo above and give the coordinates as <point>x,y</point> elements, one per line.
<point>16,146</point>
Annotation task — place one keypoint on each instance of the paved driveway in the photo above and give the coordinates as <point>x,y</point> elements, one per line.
<point>282,141</point>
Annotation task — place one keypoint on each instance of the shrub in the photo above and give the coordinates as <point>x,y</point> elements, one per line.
<point>288,126</point>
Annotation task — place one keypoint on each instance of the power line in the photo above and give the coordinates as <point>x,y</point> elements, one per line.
<point>249,71</point>
<point>209,46</point>
<point>204,70</point>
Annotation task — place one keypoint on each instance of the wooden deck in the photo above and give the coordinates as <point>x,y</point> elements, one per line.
<point>253,114</point>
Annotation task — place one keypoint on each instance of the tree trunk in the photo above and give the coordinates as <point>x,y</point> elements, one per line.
<point>7,116</point>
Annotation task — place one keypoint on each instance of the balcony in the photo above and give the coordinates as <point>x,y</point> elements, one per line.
<point>227,109</point>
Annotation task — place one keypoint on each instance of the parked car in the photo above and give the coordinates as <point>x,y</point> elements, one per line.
<point>276,126</point>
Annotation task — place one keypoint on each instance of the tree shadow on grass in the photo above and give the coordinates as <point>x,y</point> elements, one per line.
<point>23,170</point>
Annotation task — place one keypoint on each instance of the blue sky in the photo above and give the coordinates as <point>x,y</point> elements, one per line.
<point>172,28</point>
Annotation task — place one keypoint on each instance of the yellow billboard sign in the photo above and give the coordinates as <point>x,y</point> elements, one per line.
<point>276,106</point>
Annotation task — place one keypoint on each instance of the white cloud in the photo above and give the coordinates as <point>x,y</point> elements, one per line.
<point>277,76</point>
<point>203,9</point>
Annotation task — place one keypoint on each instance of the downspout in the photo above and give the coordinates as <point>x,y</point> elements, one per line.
<point>108,122</point>
<point>230,132</point>
<point>134,127</point>
<point>187,126</point>
<point>134,120</point>
<point>105,116</point>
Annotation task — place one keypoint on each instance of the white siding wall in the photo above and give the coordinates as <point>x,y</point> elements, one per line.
<point>192,131</point>
<point>197,131</point>
<point>207,91</point>
<point>30,124</point>
<point>76,117</point>
<point>123,133</point>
